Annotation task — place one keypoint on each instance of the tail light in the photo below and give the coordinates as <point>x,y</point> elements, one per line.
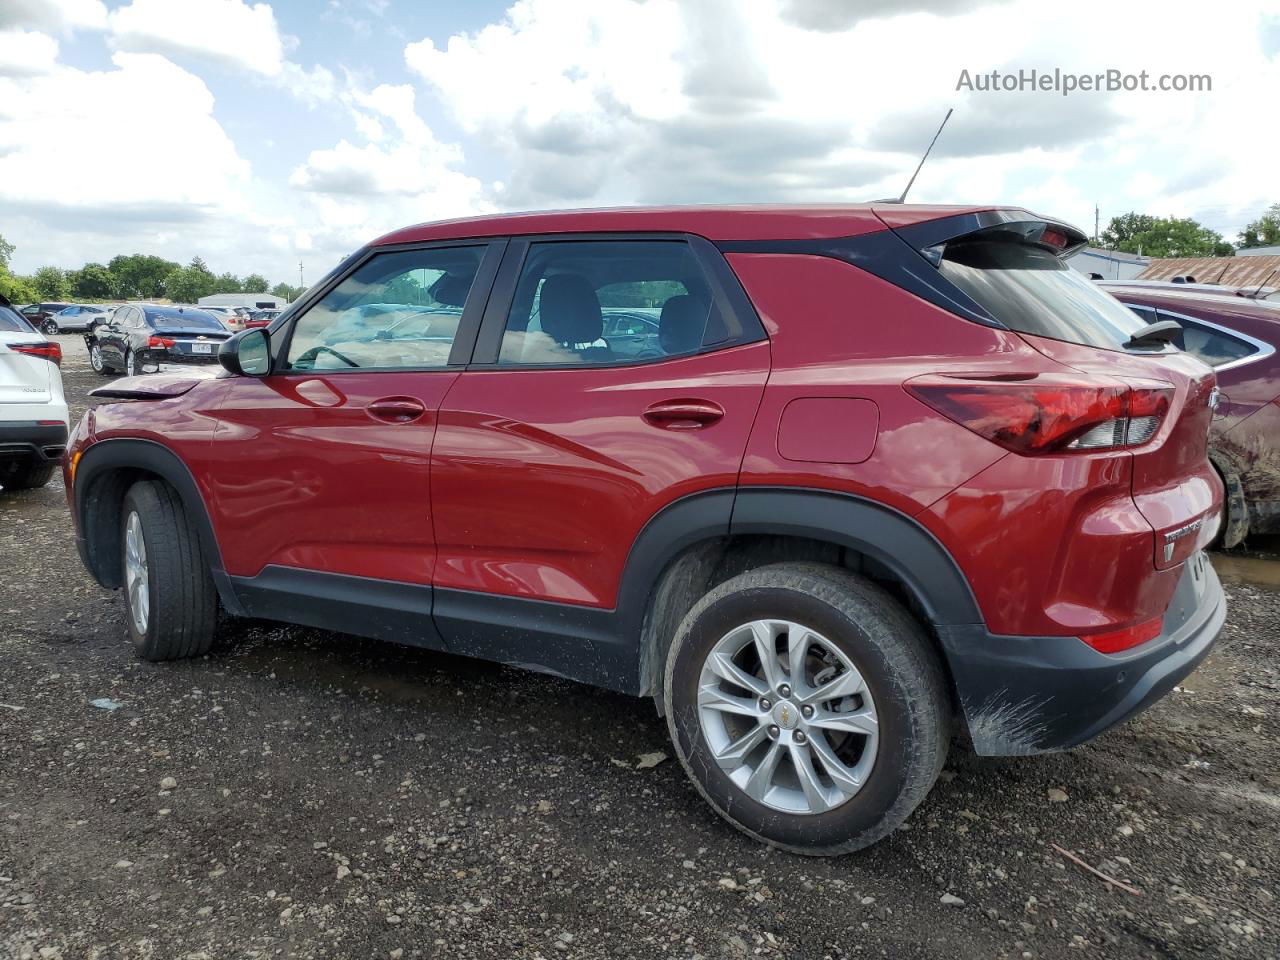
<point>50,351</point>
<point>1116,641</point>
<point>165,342</point>
<point>1049,413</point>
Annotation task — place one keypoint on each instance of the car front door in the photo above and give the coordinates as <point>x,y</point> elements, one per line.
<point>553,451</point>
<point>318,477</point>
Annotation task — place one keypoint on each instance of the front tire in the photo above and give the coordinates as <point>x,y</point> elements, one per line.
<point>97,362</point>
<point>49,328</point>
<point>171,604</point>
<point>807,706</point>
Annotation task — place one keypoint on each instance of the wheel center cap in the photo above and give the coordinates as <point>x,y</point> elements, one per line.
<point>786,715</point>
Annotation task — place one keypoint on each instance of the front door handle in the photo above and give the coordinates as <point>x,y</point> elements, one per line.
<point>396,409</point>
<point>683,414</point>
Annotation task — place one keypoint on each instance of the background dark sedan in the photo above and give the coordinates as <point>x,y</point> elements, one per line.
<point>1237,337</point>
<point>140,337</point>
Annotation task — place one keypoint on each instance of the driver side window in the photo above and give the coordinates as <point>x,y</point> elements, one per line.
<point>396,311</point>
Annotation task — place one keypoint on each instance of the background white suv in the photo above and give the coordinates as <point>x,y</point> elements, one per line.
<point>33,411</point>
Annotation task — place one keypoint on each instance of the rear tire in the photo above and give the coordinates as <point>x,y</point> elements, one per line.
<point>840,770</point>
<point>171,604</point>
<point>26,474</point>
<point>131,366</point>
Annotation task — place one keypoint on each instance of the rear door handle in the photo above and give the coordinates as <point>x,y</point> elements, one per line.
<point>396,409</point>
<point>683,414</point>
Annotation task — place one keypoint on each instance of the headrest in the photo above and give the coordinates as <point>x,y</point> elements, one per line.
<point>681,324</point>
<point>569,309</point>
<point>450,290</point>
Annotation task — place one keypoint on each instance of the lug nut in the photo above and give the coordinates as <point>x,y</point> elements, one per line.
<point>784,691</point>
<point>765,703</point>
<point>774,731</point>
<point>799,736</point>
<point>806,711</point>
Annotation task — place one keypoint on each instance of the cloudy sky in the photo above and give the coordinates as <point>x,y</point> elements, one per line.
<point>258,135</point>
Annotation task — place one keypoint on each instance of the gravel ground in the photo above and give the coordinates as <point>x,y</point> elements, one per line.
<point>305,794</point>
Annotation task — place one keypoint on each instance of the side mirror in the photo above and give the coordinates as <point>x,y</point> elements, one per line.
<point>247,354</point>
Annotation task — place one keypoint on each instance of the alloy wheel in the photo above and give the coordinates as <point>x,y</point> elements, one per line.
<point>137,580</point>
<point>95,358</point>
<point>788,717</point>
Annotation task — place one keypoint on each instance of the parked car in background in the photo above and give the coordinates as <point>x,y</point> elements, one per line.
<point>39,314</point>
<point>140,337</point>
<point>894,469</point>
<point>33,410</point>
<point>76,318</point>
<point>1238,338</point>
<point>633,333</point>
<point>260,318</point>
<point>230,319</point>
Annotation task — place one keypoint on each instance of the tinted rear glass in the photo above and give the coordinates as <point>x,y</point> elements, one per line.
<point>1028,289</point>
<point>173,317</point>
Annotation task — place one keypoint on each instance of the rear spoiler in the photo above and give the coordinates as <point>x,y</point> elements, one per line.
<point>929,236</point>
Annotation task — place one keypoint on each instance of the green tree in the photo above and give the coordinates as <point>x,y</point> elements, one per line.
<point>188,284</point>
<point>1121,230</point>
<point>286,292</point>
<point>6,253</point>
<point>93,281</point>
<point>139,275</point>
<point>51,284</point>
<point>1164,237</point>
<point>227,283</point>
<point>1263,232</point>
<point>18,290</point>
<point>255,283</point>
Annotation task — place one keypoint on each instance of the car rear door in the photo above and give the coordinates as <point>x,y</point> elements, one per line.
<point>554,450</point>
<point>319,471</point>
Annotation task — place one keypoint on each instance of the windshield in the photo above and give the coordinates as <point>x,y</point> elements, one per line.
<point>1028,289</point>
<point>173,317</point>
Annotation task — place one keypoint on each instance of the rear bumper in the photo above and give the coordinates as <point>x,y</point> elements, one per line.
<point>1026,695</point>
<point>166,356</point>
<point>24,439</point>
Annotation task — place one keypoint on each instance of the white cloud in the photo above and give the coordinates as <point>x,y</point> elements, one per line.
<point>228,31</point>
<point>58,15</point>
<point>26,52</point>
<point>107,183</point>
<point>798,100</point>
<point>401,175</point>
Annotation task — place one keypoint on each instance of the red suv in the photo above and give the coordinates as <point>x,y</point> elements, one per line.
<point>888,471</point>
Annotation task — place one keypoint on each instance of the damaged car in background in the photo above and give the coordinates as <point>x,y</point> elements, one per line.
<point>1237,337</point>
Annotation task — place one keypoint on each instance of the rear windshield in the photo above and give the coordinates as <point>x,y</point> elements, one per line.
<point>1028,289</point>
<point>11,322</point>
<point>173,317</point>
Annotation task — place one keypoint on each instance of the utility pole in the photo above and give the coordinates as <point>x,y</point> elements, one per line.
<point>1095,224</point>
<point>300,283</point>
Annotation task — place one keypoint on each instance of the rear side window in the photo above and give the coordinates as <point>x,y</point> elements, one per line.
<point>1212,346</point>
<point>1028,289</point>
<point>396,311</point>
<point>12,322</point>
<point>605,302</point>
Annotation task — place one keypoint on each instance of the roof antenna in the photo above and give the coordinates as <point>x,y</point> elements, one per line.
<point>1264,282</point>
<point>903,198</point>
